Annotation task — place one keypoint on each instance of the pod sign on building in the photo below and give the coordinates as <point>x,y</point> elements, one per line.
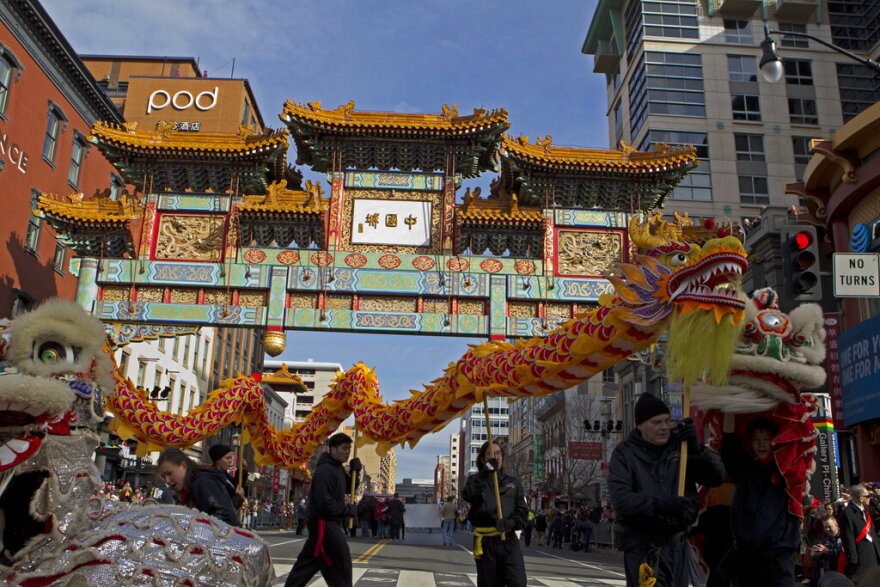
<point>182,100</point>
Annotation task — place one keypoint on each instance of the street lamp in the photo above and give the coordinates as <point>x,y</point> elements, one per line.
<point>771,64</point>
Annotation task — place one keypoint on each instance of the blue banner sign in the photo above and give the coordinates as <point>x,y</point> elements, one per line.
<point>859,354</point>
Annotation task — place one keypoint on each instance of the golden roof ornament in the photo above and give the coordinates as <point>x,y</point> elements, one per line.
<point>627,149</point>
<point>347,109</point>
<point>449,113</point>
<point>657,231</point>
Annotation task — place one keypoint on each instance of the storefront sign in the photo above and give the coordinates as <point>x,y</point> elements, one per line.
<point>824,483</point>
<point>182,100</point>
<point>12,153</point>
<point>194,126</point>
<point>859,355</point>
<point>832,347</point>
<point>585,451</point>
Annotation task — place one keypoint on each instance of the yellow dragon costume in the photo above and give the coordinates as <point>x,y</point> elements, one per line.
<point>686,282</point>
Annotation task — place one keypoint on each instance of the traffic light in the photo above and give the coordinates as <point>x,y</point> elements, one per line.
<point>800,260</point>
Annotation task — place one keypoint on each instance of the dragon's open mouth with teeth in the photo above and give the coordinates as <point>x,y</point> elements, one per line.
<point>715,280</point>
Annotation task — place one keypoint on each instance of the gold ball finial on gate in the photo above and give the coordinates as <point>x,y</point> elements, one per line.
<point>273,342</point>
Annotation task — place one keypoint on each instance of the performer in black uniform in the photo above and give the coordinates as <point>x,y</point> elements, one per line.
<point>326,549</point>
<point>499,561</point>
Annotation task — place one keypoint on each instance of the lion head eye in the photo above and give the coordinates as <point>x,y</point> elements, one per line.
<point>51,352</point>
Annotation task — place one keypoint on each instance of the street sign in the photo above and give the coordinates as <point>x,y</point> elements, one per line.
<point>856,275</point>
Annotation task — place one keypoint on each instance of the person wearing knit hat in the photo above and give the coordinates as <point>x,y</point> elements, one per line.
<point>223,458</point>
<point>222,455</point>
<point>652,519</point>
<point>648,406</point>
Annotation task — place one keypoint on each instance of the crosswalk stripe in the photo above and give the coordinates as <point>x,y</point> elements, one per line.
<point>409,578</point>
<point>558,583</point>
<point>416,578</point>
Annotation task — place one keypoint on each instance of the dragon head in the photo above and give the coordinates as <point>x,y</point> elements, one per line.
<point>693,275</point>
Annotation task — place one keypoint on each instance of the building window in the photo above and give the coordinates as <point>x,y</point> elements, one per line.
<point>186,348</point>
<point>738,32</point>
<point>745,107</point>
<point>124,359</point>
<point>142,373</point>
<point>32,237</point>
<point>742,68</point>
<point>246,113</point>
<point>77,155</point>
<point>749,147</point>
<point>670,19</point>
<point>792,27</point>
<point>854,24</point>
<point>798,72</point>
<point>5,82</point>
<point>666,84</point>
<point>802,155</point>
<point>56,119</point>
<point>633,23</point>
<point>802,111</point>
<point>859,89</point>
<point>696,185</point>
<point>58,257</point>
<point>618,122</point>
<point>753,190</point>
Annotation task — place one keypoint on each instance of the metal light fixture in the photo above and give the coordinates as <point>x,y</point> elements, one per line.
<point>771,65</point>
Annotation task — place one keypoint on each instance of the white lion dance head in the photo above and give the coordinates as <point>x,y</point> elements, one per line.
<point>55,528</point>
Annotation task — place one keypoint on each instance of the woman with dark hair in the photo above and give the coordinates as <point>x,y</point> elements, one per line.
<point>496,547</point>
<point>202,488</point>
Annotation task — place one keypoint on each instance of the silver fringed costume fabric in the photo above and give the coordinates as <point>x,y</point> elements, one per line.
<point>96,542</point>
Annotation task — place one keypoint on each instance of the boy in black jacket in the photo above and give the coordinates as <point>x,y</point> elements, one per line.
<point>326,549</point>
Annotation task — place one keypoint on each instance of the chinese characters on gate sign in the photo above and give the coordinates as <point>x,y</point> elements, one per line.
<point>379,222</point>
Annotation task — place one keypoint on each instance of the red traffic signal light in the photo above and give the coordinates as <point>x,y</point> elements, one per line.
<point>800,252</point>
<point>801,240</point>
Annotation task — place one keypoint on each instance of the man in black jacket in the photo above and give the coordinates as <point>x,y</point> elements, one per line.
<point>643,483</point>
<point>858,535</point>
<point>499,558</point>
<point>326,549</point>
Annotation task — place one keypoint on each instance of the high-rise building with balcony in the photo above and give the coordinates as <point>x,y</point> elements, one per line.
<point>687,72</point>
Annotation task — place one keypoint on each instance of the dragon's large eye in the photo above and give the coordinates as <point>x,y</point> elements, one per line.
<point>678,259</point>
<point>52,352</point>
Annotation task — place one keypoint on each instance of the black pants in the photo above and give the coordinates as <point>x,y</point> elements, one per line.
<point>502,563</point>
<point>764,567</point>
<point>333,558</point>
<point>669,561</point>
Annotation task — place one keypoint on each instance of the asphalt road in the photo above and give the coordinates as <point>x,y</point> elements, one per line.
<point>422,561</point>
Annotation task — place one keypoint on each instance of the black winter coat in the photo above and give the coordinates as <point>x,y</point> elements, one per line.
<point>641,472</point>
<point>209,495</point>
<point>479,491</point>
<point>330,483</point>
<point>861,555</point>
<point>759,514</point>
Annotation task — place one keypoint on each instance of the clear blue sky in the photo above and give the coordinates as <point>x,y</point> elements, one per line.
<point>393,55</point>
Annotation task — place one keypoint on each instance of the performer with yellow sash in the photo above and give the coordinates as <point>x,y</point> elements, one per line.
<point>496,547</point>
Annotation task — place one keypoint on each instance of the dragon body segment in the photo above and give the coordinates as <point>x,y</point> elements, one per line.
<point>677,277</point>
